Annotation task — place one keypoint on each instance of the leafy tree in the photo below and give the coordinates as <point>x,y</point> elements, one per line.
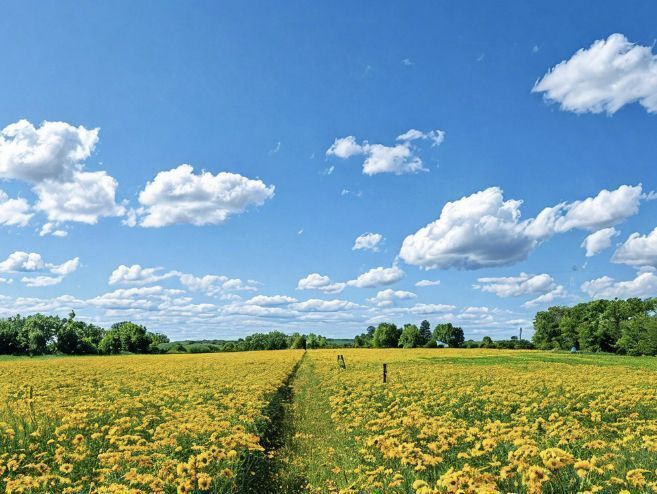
<point>448,333</point>
<point>487,342</point>
<point>316,341</point>
<point>410,336</point>
<point>425,332</point>
<point>386,335</point>
<point>639,336</point>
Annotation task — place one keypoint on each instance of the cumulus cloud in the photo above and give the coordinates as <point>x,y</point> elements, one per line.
<point>368,241</point>
<point>389,297</point>
<point>14,212</point>
<point>643,285</point>
<point>425,283</point>
<point>31,262</point>
<point>20,261</point>
<point>216,285</point>
<point>514,286</point>
<point>180,196</point>
<point>399,159</point>
<point>484,230</point>
<point>50,158</point>
<point>377,277</point>
<point>599,241</point>
<point>606,76</point>
<point>51,151</point>
<point>65,268</point>
<point>316,281</point>
<point>638,250</point>
<point>84,198</point>
<point>138,275</point>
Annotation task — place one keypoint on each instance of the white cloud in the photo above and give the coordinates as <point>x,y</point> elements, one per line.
<point>51,229</point>
<point>547,298</point>
<point>318,305</point>
<point>179,196</point>
<point>425,283</point>
<point>65,268</point>
<point>638,250</point>
<point>398,159</point>
<point>19,262</point>
<point>40,281</point>
<point>435,136</point>
<point>237,284</point>
<point>138,275</point>
<point>50,158</point>
<point>389,296</point>
<point>51,151</point>
<point>269,300</point>
<point>316,281</point>
<point>514,286</point>
<point>30,262</point>
<point>606,209</point>
<point>377,277</point>
<point>484,230</point>
<point>430,308</point>
<point>609,74</point>
<point>14,212</point>
<point>368,241</point>
<point>6,281</point>
<point>599,241</point>
<point>216,285</point>
<point>643,285</point>
<point>85,198</point>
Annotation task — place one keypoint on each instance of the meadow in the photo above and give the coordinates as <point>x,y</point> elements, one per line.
<point>446,420</point>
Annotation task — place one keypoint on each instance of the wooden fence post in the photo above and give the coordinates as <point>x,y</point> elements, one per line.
<point>385,373</point>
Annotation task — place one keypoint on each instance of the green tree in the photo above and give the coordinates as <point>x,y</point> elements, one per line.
<point>487,342</point>
<point>386,335</point>
<point>410,336</point>
<point>639,336</point>
<point>448,333</point>
<point>425,332</point>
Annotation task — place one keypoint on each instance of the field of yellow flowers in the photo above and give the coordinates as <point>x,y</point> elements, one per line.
<point>447,421</point>
<point>485,421</point>
<point>130,424</point>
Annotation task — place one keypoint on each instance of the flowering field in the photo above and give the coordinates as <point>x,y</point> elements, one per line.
<point>466,421</point>
<point>491,421</point>
<point>175,423</point>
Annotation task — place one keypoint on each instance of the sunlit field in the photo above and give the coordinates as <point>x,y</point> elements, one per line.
<point>172,423</point>
<point>467,421</point>
<point>493,421</point>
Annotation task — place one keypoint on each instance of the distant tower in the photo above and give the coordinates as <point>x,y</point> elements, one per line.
<point>520,337</point>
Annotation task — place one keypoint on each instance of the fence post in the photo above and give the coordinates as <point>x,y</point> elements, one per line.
<point>385,373</point>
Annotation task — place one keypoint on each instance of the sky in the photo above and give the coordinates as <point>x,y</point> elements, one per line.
<point>212,169</point>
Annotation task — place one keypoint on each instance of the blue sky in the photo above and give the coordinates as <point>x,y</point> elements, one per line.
<point>293,117</point>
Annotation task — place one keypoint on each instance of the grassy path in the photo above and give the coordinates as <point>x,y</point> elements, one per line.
<point>315,456</point>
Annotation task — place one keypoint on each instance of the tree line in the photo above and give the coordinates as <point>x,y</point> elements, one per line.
<point>274,340</point>
<point>619,326</point>
<point>40,335</point>
<point>388,335</point>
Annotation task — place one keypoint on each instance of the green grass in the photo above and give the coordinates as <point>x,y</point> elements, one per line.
<point>315,453</point>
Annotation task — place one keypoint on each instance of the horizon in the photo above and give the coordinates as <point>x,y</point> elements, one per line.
<point>224,169</point>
